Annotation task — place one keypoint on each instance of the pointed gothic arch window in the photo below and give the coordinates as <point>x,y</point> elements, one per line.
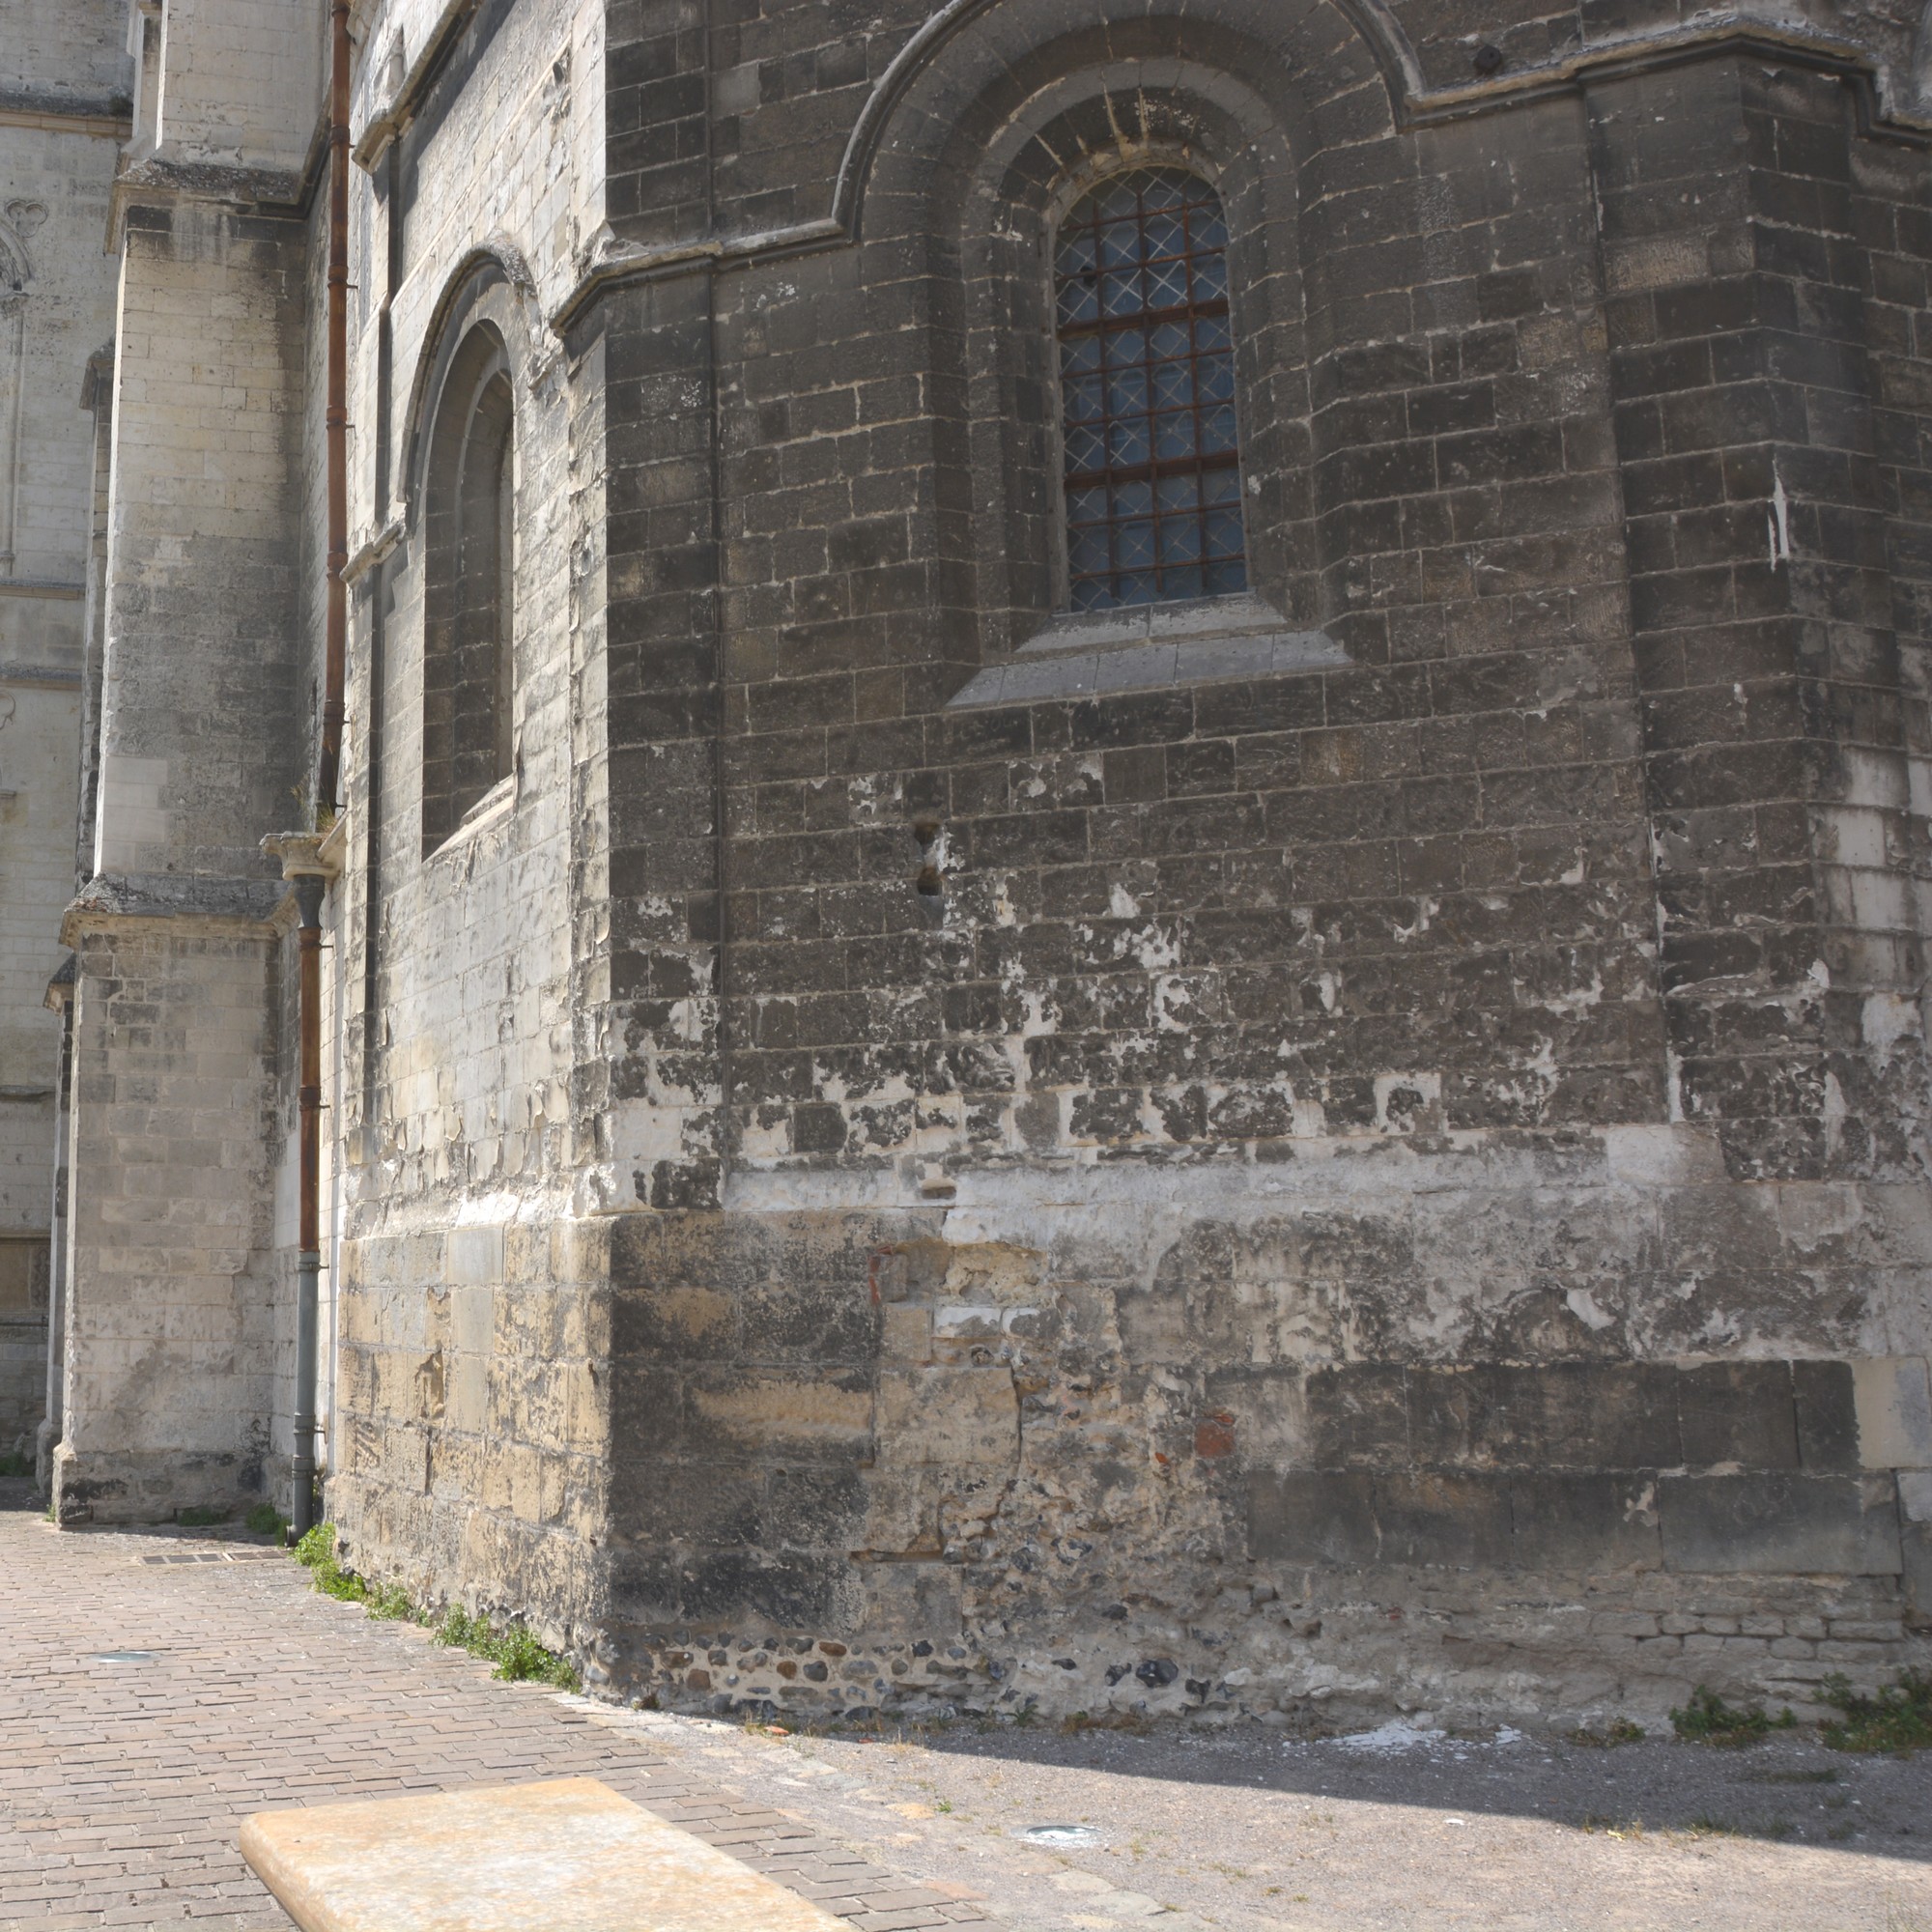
<point>470,610</point>
<point>1150,445</point>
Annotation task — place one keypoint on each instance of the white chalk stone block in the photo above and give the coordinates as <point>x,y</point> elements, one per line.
<point>1895,1411</point>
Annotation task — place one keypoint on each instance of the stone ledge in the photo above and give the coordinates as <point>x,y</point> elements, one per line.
<point>34,106</point>
<point>1150,647</point>
<point>110,899</point>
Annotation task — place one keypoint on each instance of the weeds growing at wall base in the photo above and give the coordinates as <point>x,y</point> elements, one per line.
<point>1707,1720</point>
<point>514,1650</point>
<point>1897,1720</point>
<point>1621,1732</point>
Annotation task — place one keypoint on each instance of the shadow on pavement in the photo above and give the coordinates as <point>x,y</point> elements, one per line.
<point>1790,1788</point>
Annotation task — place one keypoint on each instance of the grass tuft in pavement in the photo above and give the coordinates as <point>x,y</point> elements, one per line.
<point>316,1553</point>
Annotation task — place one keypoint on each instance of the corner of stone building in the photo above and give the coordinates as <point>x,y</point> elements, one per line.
<point>471,1422</point>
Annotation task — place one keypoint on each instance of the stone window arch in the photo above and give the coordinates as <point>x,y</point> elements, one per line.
<point>469,587</point>
<point>983,200</point>
<point>1150,443</point>
<point>21,218</point>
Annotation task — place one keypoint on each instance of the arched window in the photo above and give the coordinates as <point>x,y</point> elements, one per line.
<point>470,612</point>
<point>12,377</point>
<point>1147,378</point>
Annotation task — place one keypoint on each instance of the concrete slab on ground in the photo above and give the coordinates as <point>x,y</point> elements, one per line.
<point>568,1852</point>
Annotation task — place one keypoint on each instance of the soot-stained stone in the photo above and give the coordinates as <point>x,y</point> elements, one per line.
<point>1779,1526</point>
<point>1827,1417</point>
<point>1740,1412</point>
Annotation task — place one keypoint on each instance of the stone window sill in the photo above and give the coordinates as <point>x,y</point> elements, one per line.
<point>1150,647</point>
<point>492,808</point>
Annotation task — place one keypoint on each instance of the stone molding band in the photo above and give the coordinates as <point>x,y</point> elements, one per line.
<point>212,903</point>
<point>1415,105</point>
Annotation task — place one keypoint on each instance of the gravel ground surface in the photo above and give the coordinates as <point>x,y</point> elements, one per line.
<point>156,1688</point>
<point>1395,1828</point>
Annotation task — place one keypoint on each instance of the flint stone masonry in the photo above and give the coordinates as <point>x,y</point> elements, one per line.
<point>1357,1144</point>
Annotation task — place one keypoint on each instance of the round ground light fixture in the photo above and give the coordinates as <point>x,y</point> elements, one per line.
<point>1061,1838</point>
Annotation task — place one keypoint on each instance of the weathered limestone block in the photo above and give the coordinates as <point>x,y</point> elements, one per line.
<point>942,1415</point>
<point>1895,1412</point>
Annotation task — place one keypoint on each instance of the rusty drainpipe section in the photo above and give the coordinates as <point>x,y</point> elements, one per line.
<point>307,873</point>
<point>301,862</point>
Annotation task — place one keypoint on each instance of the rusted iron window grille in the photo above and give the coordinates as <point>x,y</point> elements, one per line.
<point>1147,379</point>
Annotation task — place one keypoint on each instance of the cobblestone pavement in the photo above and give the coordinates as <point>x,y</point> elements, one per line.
<point>123,1786</point>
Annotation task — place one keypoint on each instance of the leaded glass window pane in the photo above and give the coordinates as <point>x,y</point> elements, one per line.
<point>1147,381</point>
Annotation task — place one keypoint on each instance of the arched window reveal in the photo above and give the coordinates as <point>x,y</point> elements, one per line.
<point>1146,372</point>
<point>470,615</point>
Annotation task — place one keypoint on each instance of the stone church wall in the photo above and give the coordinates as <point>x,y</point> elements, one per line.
<point>1361,1146</point>
<point>467,1448</point>
<point>168,1397</point>
<point>1395,1180</point>
<point>63,102</point>
<point>172,1277</point>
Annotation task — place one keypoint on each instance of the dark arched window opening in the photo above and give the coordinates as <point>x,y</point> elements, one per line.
<point>1146,377</point>
<point>470,612</point>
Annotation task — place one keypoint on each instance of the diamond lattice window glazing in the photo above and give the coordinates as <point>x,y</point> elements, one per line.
<point>1146,376</point>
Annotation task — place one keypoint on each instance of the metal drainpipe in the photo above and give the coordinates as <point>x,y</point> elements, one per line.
<point>335,415</point>
<point>308,890</point>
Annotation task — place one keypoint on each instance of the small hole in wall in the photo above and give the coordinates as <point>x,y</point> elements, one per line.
<point>930,878</point>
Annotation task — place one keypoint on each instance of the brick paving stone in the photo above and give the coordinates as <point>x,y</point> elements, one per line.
<point>126,1783</point>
